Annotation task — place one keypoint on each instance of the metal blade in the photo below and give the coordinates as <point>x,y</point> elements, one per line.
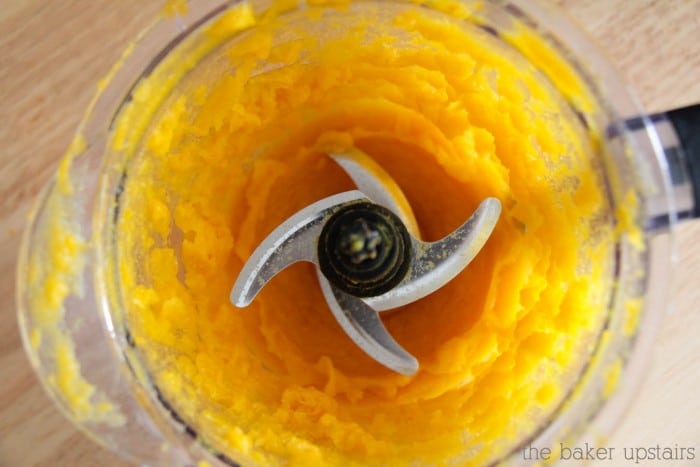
<point>294,240</point>
<point>363,325</point>
<point>435,264</point>
<point>372,180</point>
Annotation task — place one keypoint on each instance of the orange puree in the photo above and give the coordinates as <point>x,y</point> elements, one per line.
<point>454,115</point>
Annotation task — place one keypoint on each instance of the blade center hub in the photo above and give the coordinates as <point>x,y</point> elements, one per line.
<point>364,249</point>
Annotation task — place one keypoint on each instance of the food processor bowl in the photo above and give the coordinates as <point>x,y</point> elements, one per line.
<point>71,304</point>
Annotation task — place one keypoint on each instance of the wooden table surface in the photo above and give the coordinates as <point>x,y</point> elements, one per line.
<point>53,52</point>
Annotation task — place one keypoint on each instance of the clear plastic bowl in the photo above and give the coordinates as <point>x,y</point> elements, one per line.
<point>71,318</point>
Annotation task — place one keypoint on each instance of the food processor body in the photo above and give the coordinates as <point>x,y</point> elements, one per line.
<point>71,311</point>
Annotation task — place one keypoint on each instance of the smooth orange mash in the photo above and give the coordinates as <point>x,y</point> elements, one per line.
<point>454,115</point>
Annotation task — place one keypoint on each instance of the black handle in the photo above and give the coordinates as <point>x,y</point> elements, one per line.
<point>686,122</point>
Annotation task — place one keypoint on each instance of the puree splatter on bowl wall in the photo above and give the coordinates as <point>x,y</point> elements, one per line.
<point>190,157</point>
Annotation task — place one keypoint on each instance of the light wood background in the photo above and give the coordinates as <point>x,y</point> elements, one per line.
<point>53,52</point>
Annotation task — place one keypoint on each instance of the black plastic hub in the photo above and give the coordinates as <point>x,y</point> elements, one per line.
<point>364,250</point>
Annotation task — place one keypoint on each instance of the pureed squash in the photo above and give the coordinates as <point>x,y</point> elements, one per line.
<point>454,115</point>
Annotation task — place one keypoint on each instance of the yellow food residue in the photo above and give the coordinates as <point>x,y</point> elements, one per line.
<point>612,378</point>
<point>174,8</point>
<point>53,274</point>
<point>233,146</point>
